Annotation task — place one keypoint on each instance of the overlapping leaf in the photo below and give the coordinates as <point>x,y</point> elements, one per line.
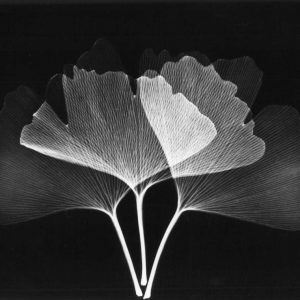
<point>253,177</point>
<point>189,116</point>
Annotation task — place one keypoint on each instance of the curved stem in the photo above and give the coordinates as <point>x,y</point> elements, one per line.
<point>139,207</point>
<point>137,287</point>
<point>159,252</point>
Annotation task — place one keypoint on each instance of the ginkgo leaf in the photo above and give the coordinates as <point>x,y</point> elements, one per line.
<point>252,188</point>
<point>243,72</point>
<point>266,192</point>
<point>277,126</point>
<point>107,129</point>
<point>28,177</point>
<point>35,185</point>
<point>235,145</point>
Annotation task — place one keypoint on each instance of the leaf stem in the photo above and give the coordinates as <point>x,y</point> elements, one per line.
<point>159,252</point>
<point>137,287</point>
<point>139,207</point>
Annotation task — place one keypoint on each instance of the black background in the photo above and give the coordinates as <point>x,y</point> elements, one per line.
<point>76,254</point>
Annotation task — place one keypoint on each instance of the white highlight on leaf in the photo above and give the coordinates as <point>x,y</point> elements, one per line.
<point>181,129</point>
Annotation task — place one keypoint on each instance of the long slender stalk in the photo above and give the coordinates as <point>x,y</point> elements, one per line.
<point>137,287</point>
<point>159,252</point>
<point>139,207</point>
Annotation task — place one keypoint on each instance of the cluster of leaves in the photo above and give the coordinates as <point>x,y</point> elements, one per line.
<point>189,119</point>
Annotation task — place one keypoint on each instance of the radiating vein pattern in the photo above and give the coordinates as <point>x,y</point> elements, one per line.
<point>247,172</point>
<point>107,129</point>
<point>188,120</point>
<point>235,145</point>
<point>34,185</point>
